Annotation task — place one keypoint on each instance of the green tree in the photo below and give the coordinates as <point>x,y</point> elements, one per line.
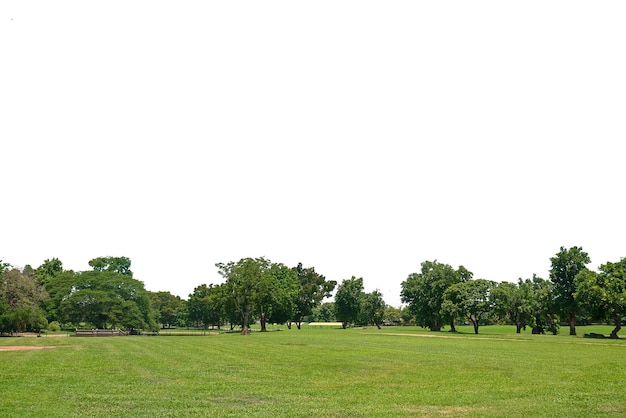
<point>325,312</point>
<point>469,300</point>
<point>120,265</point>
<point>3,267</point>
<point>423,292</point>
<point>165,305</point>
<point>284,293</point>
<point>20,290</point>
<point>245,282</point>
<point>48,270</point>
<point>603,293</point>
<point>312,289</point>
<point>373,308</point>
<point>58,287</point>
<point>105,298</point>
<point>21,300</point>
<point>392,315</point>
<point>348,300</point>
<point>514,303</point>
<point>206,305</point>
<point>565,265</point>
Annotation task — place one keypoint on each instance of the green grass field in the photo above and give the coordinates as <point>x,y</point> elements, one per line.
<point>318,372</point>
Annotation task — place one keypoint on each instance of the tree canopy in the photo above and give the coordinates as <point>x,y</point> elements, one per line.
<point>470,299</point>
<point>565,265</point>
<point>423,292</point>
<point>348,300</point>
<point>603,293</point>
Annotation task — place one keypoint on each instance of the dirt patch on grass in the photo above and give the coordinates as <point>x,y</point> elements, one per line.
<point>25,347</point>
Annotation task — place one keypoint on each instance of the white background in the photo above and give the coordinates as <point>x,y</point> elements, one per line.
<point>359,137</point>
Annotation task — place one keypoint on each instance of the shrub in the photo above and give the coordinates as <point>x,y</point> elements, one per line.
<point>54,326</point>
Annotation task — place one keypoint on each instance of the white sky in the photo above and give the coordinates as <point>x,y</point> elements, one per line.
<point>358,137</point>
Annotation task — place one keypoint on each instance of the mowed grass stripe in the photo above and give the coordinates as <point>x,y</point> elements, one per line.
<point>316,372</point>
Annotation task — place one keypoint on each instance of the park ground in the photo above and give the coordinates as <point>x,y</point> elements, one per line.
<point>396,371</point>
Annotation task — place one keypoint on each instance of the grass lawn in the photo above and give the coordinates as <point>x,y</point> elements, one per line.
<point>318,372</point>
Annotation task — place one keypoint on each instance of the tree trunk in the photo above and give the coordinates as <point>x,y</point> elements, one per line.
<point>475,324</point>
<point>289,324</point>
<point>344,324</point>
<point>378,325</point>
<point>298,324</point>
<point>435,326</point>
<point>618,326</point>
<point>452,327</point>
<point>519,328</point>
<point>245,327</point>
<point>572,323</point>
<point>263,323</point>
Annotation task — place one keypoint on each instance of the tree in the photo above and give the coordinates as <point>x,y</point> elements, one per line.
<point>566,264</point>
<point>543,315</point>
<point>604,293</point>
<point>469,299</point>
<point>284,294</point>
<point>165,305</point>
<point>348,300</point>
<point>59,288</point>
<point>48,270</point>
<point>104,298</point>
<point>323,313</point>
<point>207,305</point>
<point>514,303</point>
<point>21,290</point>
<point>21,301</point>
<point>244,280</point>
<point>392,316</point>
<point>373,308</point>
<point>3,267</point>
<point>312,289</point>
<point>423,292</point>
<point>120,265</point>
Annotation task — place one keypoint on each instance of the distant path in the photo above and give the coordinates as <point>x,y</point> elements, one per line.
<point>24,347</point>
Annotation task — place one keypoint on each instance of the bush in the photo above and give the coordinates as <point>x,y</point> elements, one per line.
<point>54,326</point>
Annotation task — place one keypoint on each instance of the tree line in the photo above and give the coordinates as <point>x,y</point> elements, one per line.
<point>440,294</point>
<point>256,290</point>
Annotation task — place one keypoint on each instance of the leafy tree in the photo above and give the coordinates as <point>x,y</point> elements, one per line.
<point>392,315</point>
<point>423,292</point>
<point>407,316</point>
<point>3,267</point>
<point>373,308</point>
<point>207,304</point>
<point>542,305</point>
<point>312,289</point>
<point>120,265</point>
<point>21,299</point>
<point>245,282</point>
<point>48,270</point>
<point>604,293</point>
<point>469,299</point>
<point>165,305</point>
<point>323,313</point>
<point>284,293</point>
<point>105,298</point>
<point>348,300</point>
<point>59,288</point>
<point>514,303</point>
<point>182,315</point>
<point>21,290</point>
<point>566,264</point>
